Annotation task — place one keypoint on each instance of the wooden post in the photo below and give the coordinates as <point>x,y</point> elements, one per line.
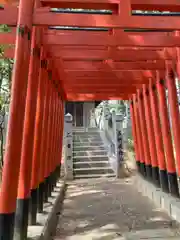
<point>139,136</point>
<point>12,157</point>
<point>22,210</point>
<point>167,139</point>
<point>135,135</point>
<point>158,137</point>
<point>151,137</point>
<point>37,181</point>
<point>175,117</point>
<point>144,136</point>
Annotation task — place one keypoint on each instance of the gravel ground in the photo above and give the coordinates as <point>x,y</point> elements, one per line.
<point>107,209</point>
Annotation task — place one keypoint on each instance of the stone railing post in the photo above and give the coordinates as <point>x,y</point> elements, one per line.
<point>127,125</point>
<point>68,159</point>
<point>106,112</point>
<point>114,124</point>
<point>119,142</point>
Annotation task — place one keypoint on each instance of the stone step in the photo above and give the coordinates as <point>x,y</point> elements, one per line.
<point>88,148</point>
<point>87,138</point>
<point>76,141</point>
<point>90,176</point>
<point>94,144</point>
<point>90,159</point>
<point>93,170</point>
<point>85,133</point>
<point>86,153</point>
<point>89,164</point>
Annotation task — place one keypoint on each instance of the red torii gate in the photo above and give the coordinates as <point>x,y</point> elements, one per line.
<point>53,66</point>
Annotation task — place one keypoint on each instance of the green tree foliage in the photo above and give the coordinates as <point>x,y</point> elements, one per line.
<point>5,87</point>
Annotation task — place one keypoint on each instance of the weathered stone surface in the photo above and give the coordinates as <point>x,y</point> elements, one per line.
<point>105,209</point>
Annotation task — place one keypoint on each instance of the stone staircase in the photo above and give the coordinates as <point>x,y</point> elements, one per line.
<point>90,159</point>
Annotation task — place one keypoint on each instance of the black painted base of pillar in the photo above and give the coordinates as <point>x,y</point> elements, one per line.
<point>46,187</point>
<point>21,219</point>
<point>50,184</point>
<point>149,171</point>
<point>54,179</point>
<point>33,206</point>
<point>58,169</point>
<point>155,176</point>
<point>143,169</point>
<point>40,197</point>
<point>164,180</point>
<point>173,184</point>
<point>138,166</point>
<point>7,226</point>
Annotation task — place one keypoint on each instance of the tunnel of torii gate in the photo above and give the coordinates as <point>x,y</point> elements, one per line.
<point>119,54</point>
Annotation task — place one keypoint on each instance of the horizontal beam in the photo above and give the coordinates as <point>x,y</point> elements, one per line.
<point>118,40</point>
<point>124,66</point>
<point>87,4</point>
<point>108,91</point>
<point>123,40</point>
<point>100,55</point>
<point>162,5</point>
<point>104,81</point>
<point>86,20</point>
<point>95,96</point>
<point>113,73</point>
<point>43,17</point>
<point>115,54</point>
<point>105,86</point>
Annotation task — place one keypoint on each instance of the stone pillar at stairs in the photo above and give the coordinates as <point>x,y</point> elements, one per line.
<point>68,138</point>
<point>118,130</point>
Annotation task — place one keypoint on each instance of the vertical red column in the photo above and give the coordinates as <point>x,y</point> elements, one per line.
<point>174,111</point>
<point>56,127</point>
<point>23,197</point>
<point>16,119</point>
<point>167,140</point>
<point>52,141</point>
<point>41,143</point>
<point>144,135</point>
<point>61,133</point>
<point>37,142</point>
<point>50,135</point>
<point>139,136</point>
<point>151,137</point>
<point>135,137</point>
<point>57,144</point>
<point>47,138</point>
<point>60,147</point>
<point>158,137</point>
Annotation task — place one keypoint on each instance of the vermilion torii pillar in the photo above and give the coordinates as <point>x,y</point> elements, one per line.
<point>175,117</point>
<point>37,185</point>
<point>150,135</point>
<point>158,137</point>
<point>135,136</point>
<point>145,142</point>
<point>139,136</point>
<point>42,147</point>
<point>167,138</point>
<point>10,176</point>
<point>24,188</point>
<point>46,137</point>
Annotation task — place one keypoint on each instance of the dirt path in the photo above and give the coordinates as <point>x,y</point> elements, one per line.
<point>111,209</point>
